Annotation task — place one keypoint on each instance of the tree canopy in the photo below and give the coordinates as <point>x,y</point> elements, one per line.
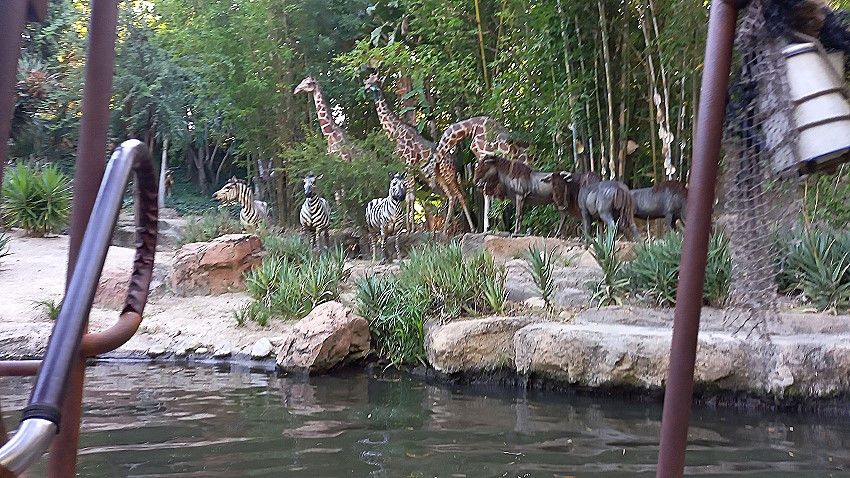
<point>608,85</point>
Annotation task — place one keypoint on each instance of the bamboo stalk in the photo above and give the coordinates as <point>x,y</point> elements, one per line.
<point>481,45</point>
<point>612,167</point>
<point>570,97</point>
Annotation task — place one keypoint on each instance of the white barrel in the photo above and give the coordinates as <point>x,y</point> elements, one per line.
<point>821,114</point>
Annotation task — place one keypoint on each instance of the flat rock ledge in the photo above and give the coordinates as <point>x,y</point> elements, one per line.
<point>630,347</point>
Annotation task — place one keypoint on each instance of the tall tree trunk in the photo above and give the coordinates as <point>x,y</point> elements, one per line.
<point>603,23</point>
<point>163,166</point>
<point>668,135</point>
<point>654,116</point>
<point>571,101</point>
<point>481,45</point>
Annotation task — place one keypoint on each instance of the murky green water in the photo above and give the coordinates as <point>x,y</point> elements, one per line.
<point>145,420</point>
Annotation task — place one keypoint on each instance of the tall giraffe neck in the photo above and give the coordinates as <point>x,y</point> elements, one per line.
<point>332,132</point>
<point>406,137</point>
<point>389,121</point>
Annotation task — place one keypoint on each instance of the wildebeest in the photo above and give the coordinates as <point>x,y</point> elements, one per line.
<point>564,197</point>
<point>515,181</point>
<point>608,200</point>
<point>668,199</point>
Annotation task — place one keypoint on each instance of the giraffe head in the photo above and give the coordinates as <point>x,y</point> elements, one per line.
<point>372,84</point>
<point>308,84</point>
<point>310,184</point>
<point>397,190</point>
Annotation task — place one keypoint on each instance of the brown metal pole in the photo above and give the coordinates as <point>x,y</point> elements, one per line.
<point>91,161</point>
<point>12,16</point>
<point>678,393</point>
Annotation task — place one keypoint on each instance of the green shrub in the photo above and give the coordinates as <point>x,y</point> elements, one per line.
<point>360,180</point>
<point>290,246</point>
<point>654,272</point>
<point>209,226</point>
<point>435,282</point>
<point>611,288</point>
<point>37,201</point>
<point>50,307</point>
<point>540,262</point>
<point>817,264</point>
<point>827,198</point>
<point>5,239</point>
<point>286,288</point>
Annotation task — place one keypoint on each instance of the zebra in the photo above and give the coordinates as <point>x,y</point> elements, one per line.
<point>253,211</point>
<point>315,213</point>
<point>386,216</point>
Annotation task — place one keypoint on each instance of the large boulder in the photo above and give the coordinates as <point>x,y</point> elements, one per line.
<point>507,248</point>
<point>478,345</point>
<point>620,355</point>
<point>216,267</point>
<point>330,335</point>
<point>170,229</point>
<point>113,282</point>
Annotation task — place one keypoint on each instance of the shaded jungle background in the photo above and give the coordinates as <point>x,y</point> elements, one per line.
<point>609,86</point>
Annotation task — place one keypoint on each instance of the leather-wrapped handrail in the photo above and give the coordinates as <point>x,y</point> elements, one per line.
<point>41,417</point>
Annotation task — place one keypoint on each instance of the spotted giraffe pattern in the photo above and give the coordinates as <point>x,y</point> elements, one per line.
<point>337,141</point>
<point>415,151</point>
<point>487,138</point>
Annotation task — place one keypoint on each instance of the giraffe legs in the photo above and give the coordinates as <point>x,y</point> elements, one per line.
<point>409,199</point>
<point>451,207</point>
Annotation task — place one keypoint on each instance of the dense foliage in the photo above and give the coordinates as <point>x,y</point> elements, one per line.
<point>36,199</point>
<point>815,264</point>
<point>436,282</point>
<point>653,274</point>
<point>209,226</point>
<point>215,80</point>
<point>290,288</point>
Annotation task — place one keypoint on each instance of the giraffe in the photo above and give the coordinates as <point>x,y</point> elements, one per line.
<point>415,151</point>
<point>337,141</point>
<point>488,137</point>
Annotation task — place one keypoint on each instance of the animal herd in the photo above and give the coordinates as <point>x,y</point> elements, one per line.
<point>501,170</point>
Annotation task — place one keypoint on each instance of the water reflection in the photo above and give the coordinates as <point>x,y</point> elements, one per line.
<point>146,420</point>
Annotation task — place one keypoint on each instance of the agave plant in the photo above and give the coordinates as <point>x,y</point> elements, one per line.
<point>611,288</point>
<point>540,262</point>
<point>37,201</point>
<point>4,245</point>
<point>818,266</point>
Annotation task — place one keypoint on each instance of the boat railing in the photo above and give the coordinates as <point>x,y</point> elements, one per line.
<point>69,340</point>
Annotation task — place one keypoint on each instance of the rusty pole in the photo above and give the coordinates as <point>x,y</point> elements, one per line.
<point>678,393</point>
<point>91,162</point>
<point>12,15</point>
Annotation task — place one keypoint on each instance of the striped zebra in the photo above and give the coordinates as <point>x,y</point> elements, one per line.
<point>253,211</point>
<point>315,214</point>
<point>385,216</point>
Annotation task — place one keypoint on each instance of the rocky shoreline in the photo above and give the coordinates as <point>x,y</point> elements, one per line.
<point>797,361</point>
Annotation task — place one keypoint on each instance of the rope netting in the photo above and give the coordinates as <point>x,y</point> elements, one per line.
<point>762,193</point>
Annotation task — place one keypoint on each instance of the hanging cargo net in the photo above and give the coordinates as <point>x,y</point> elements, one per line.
<point>762,198</point>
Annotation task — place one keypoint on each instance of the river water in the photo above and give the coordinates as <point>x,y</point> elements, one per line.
<point>147,420</point>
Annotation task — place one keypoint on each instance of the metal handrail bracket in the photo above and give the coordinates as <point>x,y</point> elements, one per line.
<point>41,417</point>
